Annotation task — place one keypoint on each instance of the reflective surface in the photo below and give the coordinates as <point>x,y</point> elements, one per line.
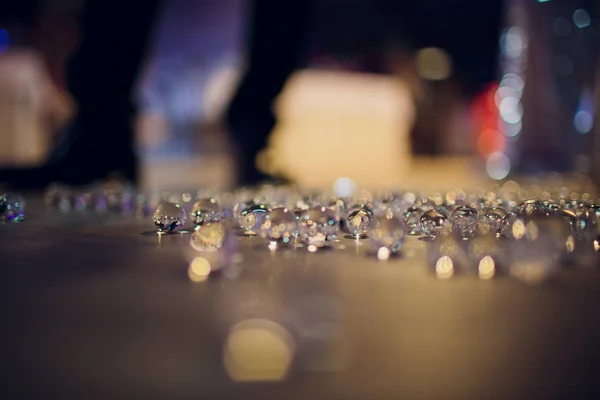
<point>123,318</point>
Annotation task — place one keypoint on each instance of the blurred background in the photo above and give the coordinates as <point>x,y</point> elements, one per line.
<point>389,93</point>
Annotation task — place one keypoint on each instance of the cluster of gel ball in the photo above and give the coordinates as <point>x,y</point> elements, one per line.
<point>489,232</point>
<point>12,208</point>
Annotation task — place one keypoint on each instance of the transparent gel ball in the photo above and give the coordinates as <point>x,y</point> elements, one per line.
<point>464,219</point>
<point>318,225</point>
<point>432,222</point>
<point>280,224</point>
<point>14,208</point>
<point>252,218</point>
<point>208,237</point>
<point>169,217</point>
<point>386,233</point>
<point>507,224</point>
<point>204,211</point>
<point>586,224</point>
<point>241,206</point>
<point>358,222</point>
<point>412,220</point>
<point>530,208</point>
<point>493,217</point>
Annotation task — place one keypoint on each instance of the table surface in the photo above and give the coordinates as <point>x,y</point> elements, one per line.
<point>95,307</point>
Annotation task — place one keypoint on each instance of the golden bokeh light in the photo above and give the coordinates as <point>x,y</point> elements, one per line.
<point>444,267</point>
<point>383,253</point>
<point>199,269</point>
<point>258,350</point>
<point>487,268</point>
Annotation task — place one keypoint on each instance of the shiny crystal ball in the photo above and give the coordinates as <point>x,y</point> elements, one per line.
<point>531,208</point>
<point>412,220</point>
<point>358,221</point>
<point>493,217</point>
<point>432,222</point>
<point>209,236</point>
<point>252,218</point>
<point>280,224</point>
<point>169,217</point>
<point>318,225</point>
<point>205,210</point>
<point>13,206</point>
<point>386,233</point>
<point>464,219</point>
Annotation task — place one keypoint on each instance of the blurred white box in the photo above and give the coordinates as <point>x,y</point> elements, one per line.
<point>335,124</point>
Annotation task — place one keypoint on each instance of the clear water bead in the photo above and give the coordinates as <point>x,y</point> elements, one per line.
<point>432,222</point>
<point>14,208</point>
<point>412,220</point>
<point>208,237</point>
<point>493,217</point>
<point>280,224</point>
<point>464,219</point>
<point>205,210</point>
<point>530,208</point>
<point>318,225</point>
<point>386,233</point>
<point>252,218</point>
<point>358,222</point>
<point>169,217</point>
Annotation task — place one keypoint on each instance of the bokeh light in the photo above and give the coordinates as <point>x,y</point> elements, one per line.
<point>344,187</point>
<point>498,165</point>
<point>583,121</point>
<point>199,269</point>
<point>433,63</point>
<point>581,18</point>
<point>486,268</point>
<point>444,267</point>
<point>258,350</point>
<point>511,110</point>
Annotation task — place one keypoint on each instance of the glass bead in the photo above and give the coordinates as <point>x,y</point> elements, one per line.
<point>432,222</point>
<point>386,233</point>
<point>464,219</point>
<point>204,211</point>
<point>252,218</point>
<point>208,237</point>
<point>493,217</point>
<point>412,220</point>
<point>358,222</point>
<point>318,226</point>
<point>14,208</point>
<point>169,217</point>
<point>280,224</point>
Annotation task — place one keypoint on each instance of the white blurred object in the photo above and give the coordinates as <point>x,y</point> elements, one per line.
<point>333,124</point>
<point>27,98</point>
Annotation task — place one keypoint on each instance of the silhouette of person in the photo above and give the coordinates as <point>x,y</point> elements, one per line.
<point>101,74</point>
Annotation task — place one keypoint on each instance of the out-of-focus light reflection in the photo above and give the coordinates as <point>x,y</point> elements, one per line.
<point>497,165</point>
<point>570,244</point>
<point>486,268</point>
<point>512,130</point>
<point>583,121</point>
<point>312,248</point>
<point>511,110</point>
<point>272,245</point>
<point>518,229</point>
<point>514,41</point>
<point>199,269</point>
<point>344,187</point>
<point>596,245</point>
<point>531,231</point>
<point>581,18</point>
<point>433,64</point>
<point>383,253</point>
<point>258,350</point>
<point>4,40</point>
<point>444,267</point>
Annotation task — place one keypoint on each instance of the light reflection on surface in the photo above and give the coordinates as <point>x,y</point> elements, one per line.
<point>444,267</point>
<point>199,269</point>
<point>383,253</point>
<point>487,268</point>
<point>258,350</point>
